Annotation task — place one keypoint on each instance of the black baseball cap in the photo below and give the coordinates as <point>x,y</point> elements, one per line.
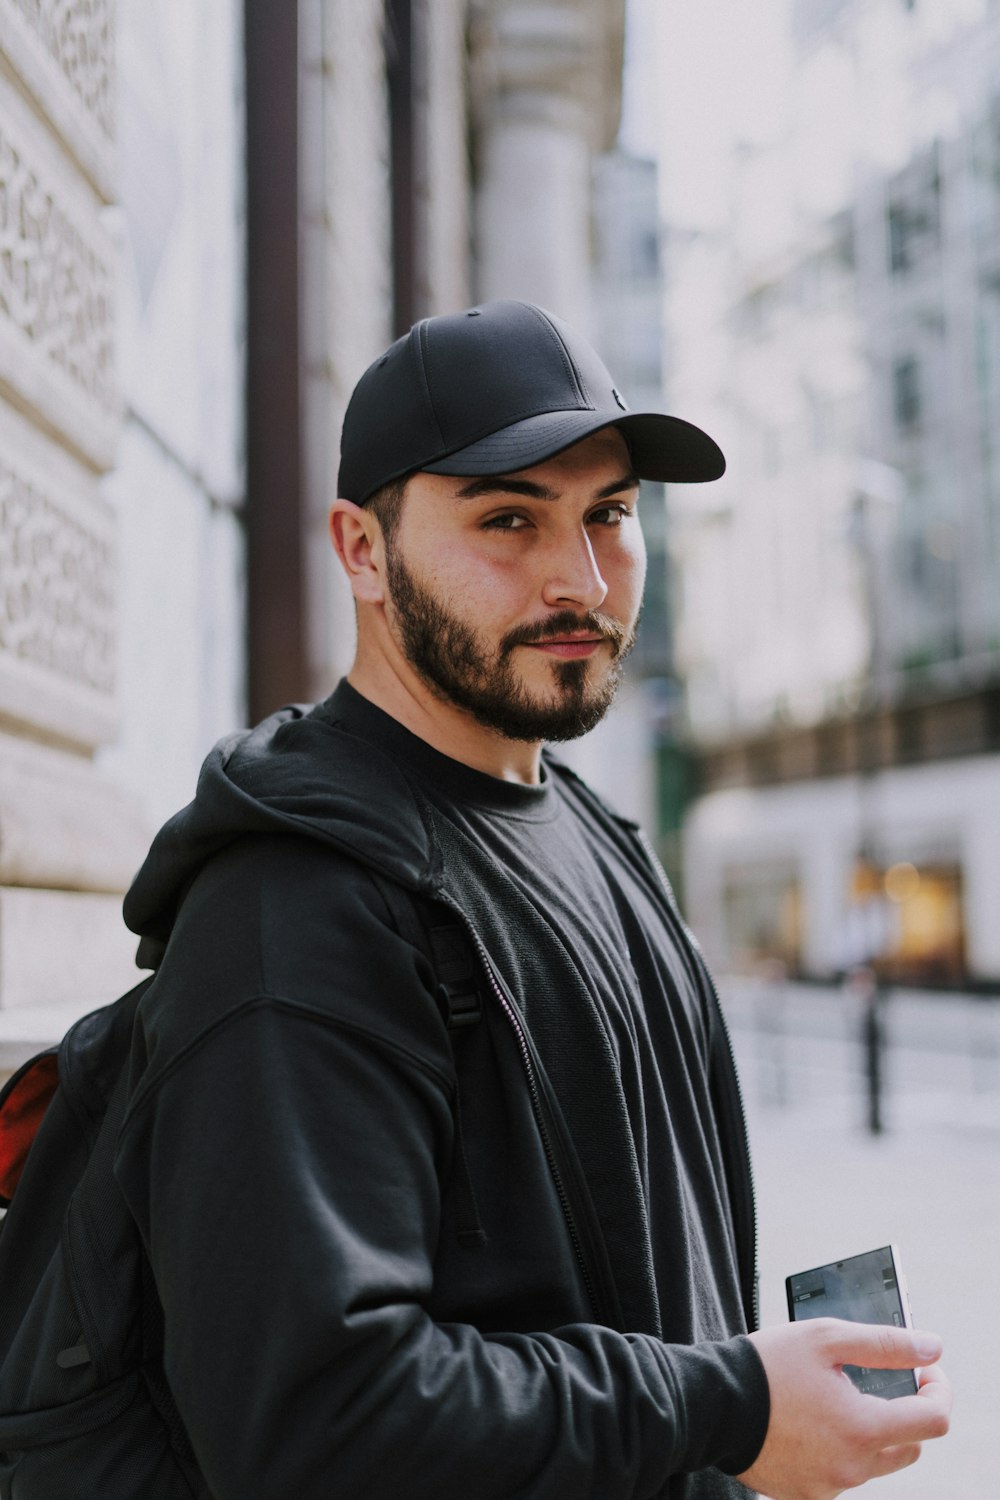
<point>494,389</point>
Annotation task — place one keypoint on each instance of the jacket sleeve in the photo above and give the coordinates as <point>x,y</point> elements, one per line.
<point>284,1162</point>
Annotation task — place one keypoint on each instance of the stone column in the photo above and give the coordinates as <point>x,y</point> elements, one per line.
<point>67,840</point>
<point>443,228</point>
<point>546,97</point>
<point>347,278</point>
<point>348,251</point>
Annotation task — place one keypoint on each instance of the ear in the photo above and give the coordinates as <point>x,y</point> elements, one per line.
<point>357,541</point>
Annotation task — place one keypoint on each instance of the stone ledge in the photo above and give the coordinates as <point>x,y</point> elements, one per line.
<point>31,1028</point>
<point>61,952</point>
<point>41,700</point>
<point>63,826</point>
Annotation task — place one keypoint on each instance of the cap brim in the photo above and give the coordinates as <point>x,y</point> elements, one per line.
<point>662,447</point>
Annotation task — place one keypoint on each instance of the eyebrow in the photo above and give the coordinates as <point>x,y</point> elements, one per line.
<point>503,484</point>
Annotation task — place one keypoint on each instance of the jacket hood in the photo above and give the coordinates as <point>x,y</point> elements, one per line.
<point>298,771</point>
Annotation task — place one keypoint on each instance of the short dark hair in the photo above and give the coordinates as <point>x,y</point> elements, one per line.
<point>386,505</point>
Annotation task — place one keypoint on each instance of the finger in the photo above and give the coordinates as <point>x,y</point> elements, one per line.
<point>909,1419</point>
<point>935,1387</point>
<point>899,1456</point>
<point>879,1347</point>
<point>933,1375</point>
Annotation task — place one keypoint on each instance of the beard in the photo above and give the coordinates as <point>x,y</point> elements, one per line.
<point>462,669</point>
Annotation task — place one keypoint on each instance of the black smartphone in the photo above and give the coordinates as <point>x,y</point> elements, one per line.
<point>868,1288</point>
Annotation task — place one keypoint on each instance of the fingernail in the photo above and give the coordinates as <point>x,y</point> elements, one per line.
<point>928,1347</point>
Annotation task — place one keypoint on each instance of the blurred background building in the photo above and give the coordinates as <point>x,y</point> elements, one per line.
<point>838,616</point>
<point>211,219</point>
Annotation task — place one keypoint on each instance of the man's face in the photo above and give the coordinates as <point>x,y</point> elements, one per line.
<point>516,598</point>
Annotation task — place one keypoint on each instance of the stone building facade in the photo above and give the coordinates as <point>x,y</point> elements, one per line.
<point>115,491</point>
<point>840,626</point>
<point>168,423</point>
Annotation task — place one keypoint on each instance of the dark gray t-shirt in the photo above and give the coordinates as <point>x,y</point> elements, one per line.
<point>576,922</point>
<point>578,929</point>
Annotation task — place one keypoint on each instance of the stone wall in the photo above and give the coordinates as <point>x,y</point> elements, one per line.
<point>348,241</point>
<point>119,468</point>
<point>178,485</point>
<point>59,421</point>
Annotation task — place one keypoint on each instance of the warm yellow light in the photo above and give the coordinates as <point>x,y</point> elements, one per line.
<point>864,880</point>
<point>902,881</point>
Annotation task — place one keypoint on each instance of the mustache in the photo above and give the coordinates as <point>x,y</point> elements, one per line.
<point>564,623</point>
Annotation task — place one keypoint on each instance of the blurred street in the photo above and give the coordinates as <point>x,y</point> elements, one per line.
<point>826,1188</point>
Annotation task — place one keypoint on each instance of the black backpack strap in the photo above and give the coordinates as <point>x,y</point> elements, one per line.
<point>442,937</point>
<point>429,926</point>
<point>155,1379</point>
<point>457,974</point>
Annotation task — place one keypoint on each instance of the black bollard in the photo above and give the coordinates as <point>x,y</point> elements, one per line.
<point>873,1039</point>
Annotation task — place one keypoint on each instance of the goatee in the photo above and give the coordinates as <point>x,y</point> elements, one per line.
<point>459,668</point>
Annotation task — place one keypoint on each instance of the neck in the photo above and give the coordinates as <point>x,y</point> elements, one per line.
<point>451,730</point>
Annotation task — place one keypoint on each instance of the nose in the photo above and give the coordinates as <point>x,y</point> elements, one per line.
<point>573,576</point>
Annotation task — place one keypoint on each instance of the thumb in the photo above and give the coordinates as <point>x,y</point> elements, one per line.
<point>879,1347</point>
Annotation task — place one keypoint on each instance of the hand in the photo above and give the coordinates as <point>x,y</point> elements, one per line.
<point>824,1436</point>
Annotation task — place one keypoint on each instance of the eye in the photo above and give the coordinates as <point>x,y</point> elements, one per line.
<point>508,521</point>
<point>611,515</point>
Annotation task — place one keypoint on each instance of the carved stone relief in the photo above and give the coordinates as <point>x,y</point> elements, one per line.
<point>58,565</point>
<point>64,832</point>
<point>56,586</point>
<point>57,279</point>
<point>79,37</point>
<point>62,54</point>
<point>59,410</point>
<point>54,286</point>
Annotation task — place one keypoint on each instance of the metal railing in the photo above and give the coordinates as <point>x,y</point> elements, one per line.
<point>867,1057</point>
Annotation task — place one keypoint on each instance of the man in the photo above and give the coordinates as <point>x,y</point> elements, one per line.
<point>434,1138</point>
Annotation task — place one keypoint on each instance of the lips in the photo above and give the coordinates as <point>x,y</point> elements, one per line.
<point>568,636</point>
<point>569,647</point>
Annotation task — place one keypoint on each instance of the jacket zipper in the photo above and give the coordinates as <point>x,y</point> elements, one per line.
<point>742,1115</point>
<point>654,859</point>
<point>538,1110</point>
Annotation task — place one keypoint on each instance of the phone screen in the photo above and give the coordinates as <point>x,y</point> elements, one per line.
<point>863,1289</point>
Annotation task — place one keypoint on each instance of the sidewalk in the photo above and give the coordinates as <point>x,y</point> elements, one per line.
<point>931,1183</point>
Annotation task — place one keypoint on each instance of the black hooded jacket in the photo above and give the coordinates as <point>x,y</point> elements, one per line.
<point>383,1269</point>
